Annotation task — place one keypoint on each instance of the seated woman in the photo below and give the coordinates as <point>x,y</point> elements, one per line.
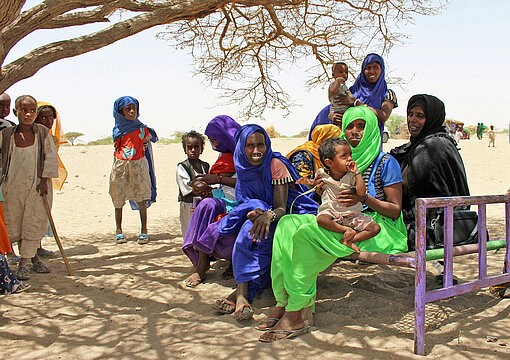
<point>302,249</point>
<point>430,163</point>
<point>369,89</point>
<point>305,158</point>
<point>198,246</point>
<point>265,190</point>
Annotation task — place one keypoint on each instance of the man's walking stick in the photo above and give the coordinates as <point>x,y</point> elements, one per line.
<point>52,224</point>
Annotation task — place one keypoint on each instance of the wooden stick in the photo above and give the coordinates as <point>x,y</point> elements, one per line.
<point>55,235</point>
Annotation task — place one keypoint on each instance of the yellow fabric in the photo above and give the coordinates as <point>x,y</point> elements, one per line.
<point>59,138</point>
<point>319,134</point>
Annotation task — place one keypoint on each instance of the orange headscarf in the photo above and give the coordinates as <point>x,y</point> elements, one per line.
<point>59,138</point>
<point>319,134</point>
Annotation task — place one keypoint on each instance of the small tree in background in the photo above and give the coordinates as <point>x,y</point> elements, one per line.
<point>72,136</point>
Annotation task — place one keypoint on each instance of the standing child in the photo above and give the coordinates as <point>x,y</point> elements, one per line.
<point>492,137</point>
<point>336,155</point>
<point>340,73</point>
<point>5,110</point>
<point>130,178</point>
<point>193,144</point>
<point>29,160</point>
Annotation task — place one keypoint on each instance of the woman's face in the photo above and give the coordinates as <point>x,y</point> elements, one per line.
<point>214,143</point>
<point>255,148</point>
<point>372,72</point>
<point>416,120</point>
<point>354,132</point>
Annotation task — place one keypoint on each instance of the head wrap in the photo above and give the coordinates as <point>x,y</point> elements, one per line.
<point>434,114</point>
<point>222,129</point>
<point>369,146</point>
<point>255,182</point>
<point>59,138</point>
<point>124,126</point>
<point>319,134</point>
<point>369,93</point>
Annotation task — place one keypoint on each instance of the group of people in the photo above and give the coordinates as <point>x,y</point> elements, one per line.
<point>260,210</point>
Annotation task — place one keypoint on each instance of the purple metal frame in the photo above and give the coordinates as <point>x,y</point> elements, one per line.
<point>421,296</point>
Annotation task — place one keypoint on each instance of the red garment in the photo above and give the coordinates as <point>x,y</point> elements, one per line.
<point>130,146</point>
<point>224,164</point>
<point>5,244</point>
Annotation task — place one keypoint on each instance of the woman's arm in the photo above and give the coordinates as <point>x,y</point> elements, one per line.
<point>382,114</point>
<point>262,219</point>
<point>223,179</point>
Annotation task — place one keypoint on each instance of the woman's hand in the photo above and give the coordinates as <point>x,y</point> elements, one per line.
<point>348,198</point>
<point>209,179</point>
<point>261,221</point>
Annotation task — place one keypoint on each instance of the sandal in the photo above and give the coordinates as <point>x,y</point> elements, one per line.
<point>244,313</point>
<point>40,268</point>
<point>20,287</point>
<point>22,273</point>
<point>120,239</point>
<point>193,281</point>
<point>143,239</point>
<point>218,307</point>
<point>268,320</point>
<point>288,334</point>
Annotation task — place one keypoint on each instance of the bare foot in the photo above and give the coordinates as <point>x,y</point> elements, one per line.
<point>194,280</point>
<point>351,245</point>
<point>349,234</point>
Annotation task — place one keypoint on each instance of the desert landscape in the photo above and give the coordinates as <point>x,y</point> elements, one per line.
<point>128,301</point>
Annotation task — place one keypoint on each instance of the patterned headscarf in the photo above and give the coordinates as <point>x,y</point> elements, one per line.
<point>369,146</point>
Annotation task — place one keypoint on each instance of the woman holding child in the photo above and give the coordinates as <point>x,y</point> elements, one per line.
<point>202,239</point>
<point>302,249</point>
<point>266,188</point>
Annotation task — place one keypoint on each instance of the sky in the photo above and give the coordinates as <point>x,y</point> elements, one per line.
<point>461,56</point>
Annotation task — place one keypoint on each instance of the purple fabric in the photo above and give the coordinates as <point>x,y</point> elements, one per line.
<point>204,214</point>
<point>222,129</point>
<point>213,244</point>
<point>369,93</point>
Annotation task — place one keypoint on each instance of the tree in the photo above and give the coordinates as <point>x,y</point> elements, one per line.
<point>72,136</point>
<point>233,42</point>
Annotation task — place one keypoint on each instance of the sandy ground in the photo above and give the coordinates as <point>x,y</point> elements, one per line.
<point>127,301</point>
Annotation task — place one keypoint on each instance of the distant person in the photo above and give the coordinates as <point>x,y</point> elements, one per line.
<point>458,136</point>
<point>193,144</point>
<point>342,174</point>
<point>479,130</point>
<point>27,150</point>
<point>5,110</point>
<point>492,137</point>
<point>131,178</point>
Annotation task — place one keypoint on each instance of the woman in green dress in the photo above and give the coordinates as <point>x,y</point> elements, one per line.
<point>302,249</point>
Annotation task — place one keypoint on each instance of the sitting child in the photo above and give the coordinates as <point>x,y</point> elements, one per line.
<point>343,174</point>
<point>340,73</point>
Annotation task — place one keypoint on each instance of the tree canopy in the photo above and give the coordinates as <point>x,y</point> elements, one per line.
<point>237,45</point>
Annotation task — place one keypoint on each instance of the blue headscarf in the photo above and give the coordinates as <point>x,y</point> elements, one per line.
<point>124,126</point>
<point>255,182</point>
<point>369,93</point>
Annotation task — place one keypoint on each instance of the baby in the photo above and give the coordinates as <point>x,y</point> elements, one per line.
<point>340,73</point>
<point>343,174</point>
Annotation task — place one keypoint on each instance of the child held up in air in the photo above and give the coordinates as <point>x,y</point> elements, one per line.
<point>337,88</point>
<point>342,174</point>
<point>131,178</point>
<point>29,160</point>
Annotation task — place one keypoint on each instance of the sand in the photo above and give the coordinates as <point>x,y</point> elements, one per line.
<point>128,301</point>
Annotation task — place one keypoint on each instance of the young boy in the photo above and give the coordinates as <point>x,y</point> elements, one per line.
<point>29,160</point>
<point>492,137</point>
<point>5,110</point>
<point>340,73</point>
<point>193,144</point>
<point>343,174</point>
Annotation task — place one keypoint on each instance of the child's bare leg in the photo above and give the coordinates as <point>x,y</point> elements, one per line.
<point>118,220</point>
<point>143,216</point>
<point>370,231</point>
<point>327,222</point>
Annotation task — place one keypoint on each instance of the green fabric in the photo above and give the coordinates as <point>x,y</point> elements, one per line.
<point>369,146</point>
<point>302,249</point>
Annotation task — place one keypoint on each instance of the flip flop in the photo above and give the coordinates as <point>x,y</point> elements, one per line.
<point>22,273</point>
<point>120,239</point>
<point>289,334</point>
<point>244,313</point>
<point>195,281</point>
<point>21,287</point>
<point>267,320</point>
<point>143,239</point>
<point>14,258</point>
<point>220,302</point>
<point>47,253</point>
<point>40,268</point>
